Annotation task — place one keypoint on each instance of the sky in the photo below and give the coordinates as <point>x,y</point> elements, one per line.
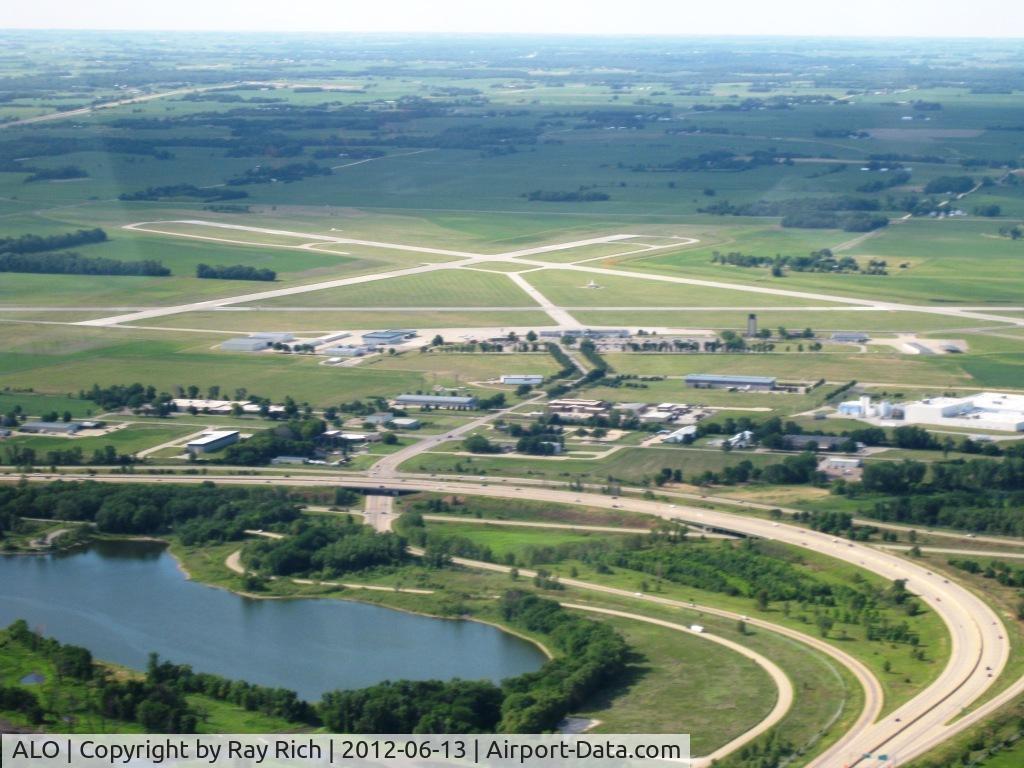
<point>843,18</point>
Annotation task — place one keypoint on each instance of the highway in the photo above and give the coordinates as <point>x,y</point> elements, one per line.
<point>979,648</point>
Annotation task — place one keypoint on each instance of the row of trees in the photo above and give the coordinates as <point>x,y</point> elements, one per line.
<point>71,263</point>
<point>39,243</point>
<point>817,261</point>
<point>235,272</point>
<point>183,192</point>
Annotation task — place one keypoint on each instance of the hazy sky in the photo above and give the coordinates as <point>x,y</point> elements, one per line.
<point>919,18</point>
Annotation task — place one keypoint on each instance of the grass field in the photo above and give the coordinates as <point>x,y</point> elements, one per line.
<point>934,252</point>
<point>678,683</point>
<point>881,367</point>
<point>632,465</point>
<point>252,319</point>
<point>131,439</point>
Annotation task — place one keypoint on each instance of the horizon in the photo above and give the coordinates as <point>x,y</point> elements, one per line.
<point>988,19</point>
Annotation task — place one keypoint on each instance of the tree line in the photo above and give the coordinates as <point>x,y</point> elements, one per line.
<point>972,494</point>
<point>71,263</point>
<point>196,514</point>
<point>851,214</point>
<point>236,272</point>
<point>37,243</point>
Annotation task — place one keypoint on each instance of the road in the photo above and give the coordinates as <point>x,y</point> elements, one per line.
<point>81,112</point>
<point>379,513</point>
<point>979,648</point>
<point>389,464</point>
<point>782,684</point>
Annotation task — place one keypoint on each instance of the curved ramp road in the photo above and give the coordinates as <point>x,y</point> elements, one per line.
<point>785,688</point>
<point>979,647</point>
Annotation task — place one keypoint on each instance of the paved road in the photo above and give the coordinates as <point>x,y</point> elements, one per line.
<point>945,551</point>
<point>979,647</point>
<point>105,105</point>
<point>388,465</point>
<point>379,513</point>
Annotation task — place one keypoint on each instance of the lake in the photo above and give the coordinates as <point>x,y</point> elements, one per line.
<point>123,600</point>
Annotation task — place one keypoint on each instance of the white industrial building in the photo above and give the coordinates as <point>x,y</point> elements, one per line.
<point>863,408</point>
<point>986,410</point>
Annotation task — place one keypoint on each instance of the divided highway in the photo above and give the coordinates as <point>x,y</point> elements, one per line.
<point>979,644</point>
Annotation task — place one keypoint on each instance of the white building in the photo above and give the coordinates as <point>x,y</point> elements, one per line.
<point>986,410</point>
<point>405,422</point>
<point>212,441</point>
<point>533,379</point>
<point>863,408</point>
<point>742,439</point>
<point>838,462</point>
<point>681,435</point>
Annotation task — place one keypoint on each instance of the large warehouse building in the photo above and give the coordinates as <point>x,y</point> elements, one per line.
<point>986,410</point>
<point>451,402</point>
<point>726,381</point>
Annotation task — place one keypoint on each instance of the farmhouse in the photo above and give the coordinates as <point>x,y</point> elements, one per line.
<point>726,381</point>
<point>212,441</point>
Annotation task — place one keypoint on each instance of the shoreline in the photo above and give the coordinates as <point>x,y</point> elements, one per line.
<point>183,569</point>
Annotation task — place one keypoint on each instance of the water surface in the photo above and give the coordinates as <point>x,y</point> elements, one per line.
<point>123,600</point>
